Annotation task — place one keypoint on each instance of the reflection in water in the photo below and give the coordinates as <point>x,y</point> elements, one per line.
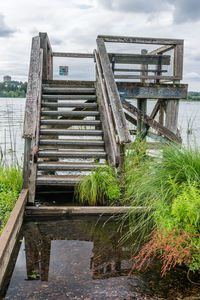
<point>74,259</point>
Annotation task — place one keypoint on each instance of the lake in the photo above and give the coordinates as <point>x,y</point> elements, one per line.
<point>12,115</point>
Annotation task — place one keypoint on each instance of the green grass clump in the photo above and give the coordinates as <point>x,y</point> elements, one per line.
<point>100,187</point>
<point>10,187</point>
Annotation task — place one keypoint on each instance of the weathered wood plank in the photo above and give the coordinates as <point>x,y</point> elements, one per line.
<point>106,117</point>
<point>117,109</point>
<point>152,123</point>
<point>172,108</point>
<point>75,55</point>
<point>139,40</point>
<point>79,210</point>
<point>152,91</point>
<point>138,70</point>
<point>32,90</point>
<point>162,50</point>
<point>10,233</point>
<point>32,182</point>
<point>122,58</point>
<point>178,62</point>
<point>169,78</point>
<point>69,83</point>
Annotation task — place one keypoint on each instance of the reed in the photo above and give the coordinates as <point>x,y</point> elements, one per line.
<point>10,187</point>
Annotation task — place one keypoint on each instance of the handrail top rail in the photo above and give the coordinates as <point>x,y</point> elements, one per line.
<point>140,40</point>
<point>73,54</point>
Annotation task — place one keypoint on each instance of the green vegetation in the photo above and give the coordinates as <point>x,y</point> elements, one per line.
<point>168,186</point>
<point>100,187</point>
<point>193,96</point>
<point>13,89</point>
<point>10,187</point>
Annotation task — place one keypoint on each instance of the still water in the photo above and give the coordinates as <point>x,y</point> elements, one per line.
<point>12,115</point>
<point>84,259</point>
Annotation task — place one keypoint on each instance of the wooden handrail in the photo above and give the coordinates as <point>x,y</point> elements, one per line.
<point>111,130</point>
<point>113,94</point>
<point>30,119</point>
<point>73,55</point>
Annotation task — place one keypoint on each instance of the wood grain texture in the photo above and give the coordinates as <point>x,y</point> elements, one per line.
<point>33,90</point>
<point>10,233</point>
<point>140,40</point>
<point>115,102</point>
<point>71,54</point>
<point>152,123</point>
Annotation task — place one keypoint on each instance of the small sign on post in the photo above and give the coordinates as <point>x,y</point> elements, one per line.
<point>63,70</point>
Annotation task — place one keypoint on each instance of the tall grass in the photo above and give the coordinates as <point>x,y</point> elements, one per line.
<point>100,187</point>
<point>10,187</point>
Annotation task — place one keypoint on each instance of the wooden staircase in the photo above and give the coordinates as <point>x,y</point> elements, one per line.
<point>70,135</point>
<point>72,127</point>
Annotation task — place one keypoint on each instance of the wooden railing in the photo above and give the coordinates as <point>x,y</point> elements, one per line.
<point>113,95</point>
<point>32,110</point>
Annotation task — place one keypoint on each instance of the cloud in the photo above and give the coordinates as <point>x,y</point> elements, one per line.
<point>186,11</point>
<point>135,6</point>
<point>192,75</point>
<point>5,31</point>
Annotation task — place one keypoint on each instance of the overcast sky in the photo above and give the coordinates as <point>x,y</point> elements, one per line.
<point>72,25</point>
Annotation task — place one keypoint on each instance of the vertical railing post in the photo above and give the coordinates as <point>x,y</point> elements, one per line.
<point>26,168</point>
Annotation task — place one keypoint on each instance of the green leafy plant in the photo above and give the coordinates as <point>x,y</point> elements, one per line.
<point>10,187</point>
<point>100,187</point>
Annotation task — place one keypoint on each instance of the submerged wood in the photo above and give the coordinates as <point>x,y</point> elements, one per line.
<point>80,210</point>
<point>10,233</point>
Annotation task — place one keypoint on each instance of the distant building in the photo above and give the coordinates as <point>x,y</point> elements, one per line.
<point>6,78</point>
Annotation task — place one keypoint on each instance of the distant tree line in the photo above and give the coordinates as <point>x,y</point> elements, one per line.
<point>193,96</point>
<point>13,89</point>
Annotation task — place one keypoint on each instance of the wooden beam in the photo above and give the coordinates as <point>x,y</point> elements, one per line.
<point>126,58</point>
<point>152,91</point>
<point>163,77</point>
<point>79,210</point>
<point>73,55</point>
<point>138,70</point>
<point>115,102</point>
<point>140,40</point>
<point>162,50</point>
<point>10,233</point>
<point>32,90</point>
<point>106,117</point>
<point>152,123</point>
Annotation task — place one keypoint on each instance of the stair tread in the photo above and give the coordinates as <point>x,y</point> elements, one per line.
<point>70,141</point>
<point>57,180</point>
<point>69,113</point>
<point>68,97</point>
<point>71,132</point>
<point>70,122</point>
<point>75,166</point>
<point>70,104</point>
<point>68,90</point>
<point>72,154</point>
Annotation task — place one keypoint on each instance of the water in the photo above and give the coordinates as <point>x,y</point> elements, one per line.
<point>79,259</point>
<point>12,115</point>
<point>11,126</point>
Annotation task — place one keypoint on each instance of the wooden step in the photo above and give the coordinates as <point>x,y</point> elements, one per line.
<point>67,166</point>
<point>71,132</point>
<point>69,104</point>
<point>68,97</point>
<point>68,90</point>
<point>69,113</point>
<point>71,122</point>
<point>69,83</point>
<point>58,180</point>
<point>69,142</point>
<point>72,154</point>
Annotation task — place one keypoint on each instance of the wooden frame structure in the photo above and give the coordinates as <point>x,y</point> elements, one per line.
<point>149,80</point>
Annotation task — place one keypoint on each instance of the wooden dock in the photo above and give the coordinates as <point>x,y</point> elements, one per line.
<point>72,127</point>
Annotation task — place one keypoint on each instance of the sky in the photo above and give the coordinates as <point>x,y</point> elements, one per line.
<point>73,25</point>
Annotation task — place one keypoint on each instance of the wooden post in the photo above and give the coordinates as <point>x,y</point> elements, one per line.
<point>26,168</point>
<point>142,103</point>
<point>172,109</point>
